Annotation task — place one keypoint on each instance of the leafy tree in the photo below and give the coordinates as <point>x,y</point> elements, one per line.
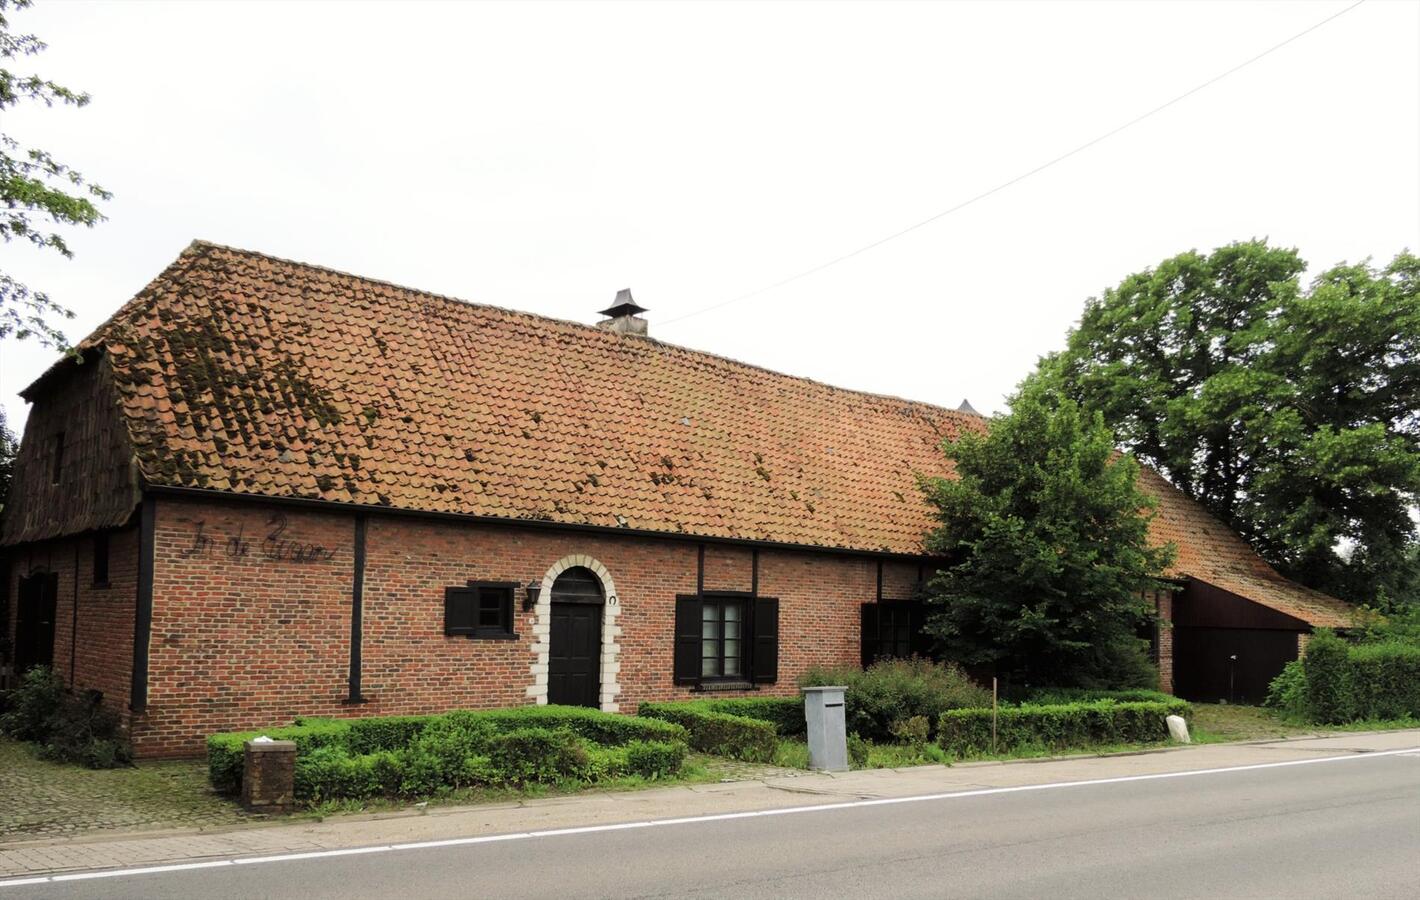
<point>1046,537</point>
<point>1293,414</point>
<point>9,448</point>
<point>37,192</point>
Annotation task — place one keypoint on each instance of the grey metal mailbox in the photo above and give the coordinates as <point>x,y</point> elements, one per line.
<point>828,734</point>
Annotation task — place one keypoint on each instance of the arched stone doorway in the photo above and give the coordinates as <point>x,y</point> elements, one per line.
<point>576,656</point>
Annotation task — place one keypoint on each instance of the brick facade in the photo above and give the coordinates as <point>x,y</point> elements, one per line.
<point>93,627</point>
<point>241,639</point>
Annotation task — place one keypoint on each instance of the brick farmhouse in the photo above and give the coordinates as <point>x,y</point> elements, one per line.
<point>265,489</point>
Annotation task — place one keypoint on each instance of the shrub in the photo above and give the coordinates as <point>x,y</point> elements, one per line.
<point>858,751</point>
<point>426,755</point>
<point>718,733</point>
<point>1326,665</point>
<point>654,759</point>
<point>608,729</point>
<point>915,731</point>
<point>1058,727</point>
<point>69,726</point>
<point>32,704</point>
<point>898,689</point>
<point>1384,680</point>
<point>1053,696</point>
<point>375,733</point>
<point>786,713</point>
<point>225,752</point>
<point>85,731</point>
<point>538,756</point>
<point>1288,691</point>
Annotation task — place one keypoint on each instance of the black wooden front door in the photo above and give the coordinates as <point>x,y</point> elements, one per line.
<point>34,626</point>
<point>574,663</point>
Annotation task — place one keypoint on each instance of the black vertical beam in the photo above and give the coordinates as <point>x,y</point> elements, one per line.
<point>74,619</point>
<point>880,581</point>
<point>700,570</point>
<point>357,611</point>
<point>143,612</point>
<point>754,572</point>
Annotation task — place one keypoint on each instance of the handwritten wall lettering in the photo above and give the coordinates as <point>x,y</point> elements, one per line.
<point>276,546</point>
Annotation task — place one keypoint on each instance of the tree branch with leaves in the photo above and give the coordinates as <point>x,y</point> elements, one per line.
<point>39,195</point>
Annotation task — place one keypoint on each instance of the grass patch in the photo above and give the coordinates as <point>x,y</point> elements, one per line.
<point>1215,723</point>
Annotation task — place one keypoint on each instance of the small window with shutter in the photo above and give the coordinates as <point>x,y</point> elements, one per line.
<point>480,610</point>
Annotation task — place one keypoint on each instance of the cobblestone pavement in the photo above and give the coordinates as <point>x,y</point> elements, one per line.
<point>45,800</point>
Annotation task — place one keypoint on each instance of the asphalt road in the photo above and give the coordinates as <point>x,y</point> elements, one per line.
<point>1342,829</point>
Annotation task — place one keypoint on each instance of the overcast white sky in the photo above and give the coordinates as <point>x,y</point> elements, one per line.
<point>541,156</point>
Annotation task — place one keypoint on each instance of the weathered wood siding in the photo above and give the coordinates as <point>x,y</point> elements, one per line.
<point>97,485</point>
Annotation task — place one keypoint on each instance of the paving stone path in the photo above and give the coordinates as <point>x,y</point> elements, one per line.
<point>42,799</point>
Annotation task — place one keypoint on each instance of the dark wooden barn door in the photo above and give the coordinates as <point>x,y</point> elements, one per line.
<point>1232,664</point>
<point>574,660</point>
<point>34,627</point>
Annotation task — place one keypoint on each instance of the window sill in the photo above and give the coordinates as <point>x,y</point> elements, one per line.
<point>491,636</point>
<point>100,585</point>
<point>710,687</point>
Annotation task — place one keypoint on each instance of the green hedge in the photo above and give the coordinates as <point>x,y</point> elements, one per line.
<point>225,752</point>
<point>1054,696</point>
<point>1065,726</point>
<point>425,754</point>
<point>785,713</point>
<point>892,691</point>
<point>1348,683</point>
<point>718,733</point>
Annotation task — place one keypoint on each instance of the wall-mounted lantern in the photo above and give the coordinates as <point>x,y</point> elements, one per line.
<point>530,600</point>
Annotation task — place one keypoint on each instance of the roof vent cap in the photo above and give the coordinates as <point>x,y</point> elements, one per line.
<point>622,315</point>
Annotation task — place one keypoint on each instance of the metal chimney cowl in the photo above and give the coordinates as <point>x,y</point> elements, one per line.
<point>622,315</point>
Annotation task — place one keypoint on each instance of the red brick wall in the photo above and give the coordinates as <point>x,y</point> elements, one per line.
<point>97,650</point>
<point>241,640</point>
<point>243,635</point>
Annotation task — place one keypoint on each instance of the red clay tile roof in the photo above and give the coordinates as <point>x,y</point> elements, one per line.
<point>243,373</point>
<point>1212,552</point>
<point>239,372</point>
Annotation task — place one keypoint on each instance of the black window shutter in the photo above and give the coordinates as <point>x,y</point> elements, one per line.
<point>766,640</point>
<point>508,611</point>
<point>687,640</point>
<point>460,611</point>
<point>921,641</point>
<point>870,633</point>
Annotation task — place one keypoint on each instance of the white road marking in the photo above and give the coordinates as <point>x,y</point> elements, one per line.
<point>690,820</point>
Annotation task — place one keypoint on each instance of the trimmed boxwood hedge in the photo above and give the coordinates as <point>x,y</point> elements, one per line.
<point>785,713</point>
<point>422,755</point>
<point>718,733</point>
<point>225,752</point>
<point>1063,726</point>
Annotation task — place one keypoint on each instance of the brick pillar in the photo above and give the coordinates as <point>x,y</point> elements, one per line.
<point>1163,602</point>
<point>269,776</point>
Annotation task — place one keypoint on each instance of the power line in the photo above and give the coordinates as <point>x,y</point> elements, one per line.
<point>1023,176</point>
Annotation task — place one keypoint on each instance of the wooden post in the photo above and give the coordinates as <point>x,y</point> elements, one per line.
<point>993,715</point>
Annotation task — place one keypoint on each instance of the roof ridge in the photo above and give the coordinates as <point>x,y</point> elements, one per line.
<point>665,345</point>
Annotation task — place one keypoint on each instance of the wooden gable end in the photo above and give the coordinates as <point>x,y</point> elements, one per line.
<point>75,470</point>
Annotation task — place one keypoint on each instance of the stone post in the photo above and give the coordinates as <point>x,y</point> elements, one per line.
<point>269,776</point>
